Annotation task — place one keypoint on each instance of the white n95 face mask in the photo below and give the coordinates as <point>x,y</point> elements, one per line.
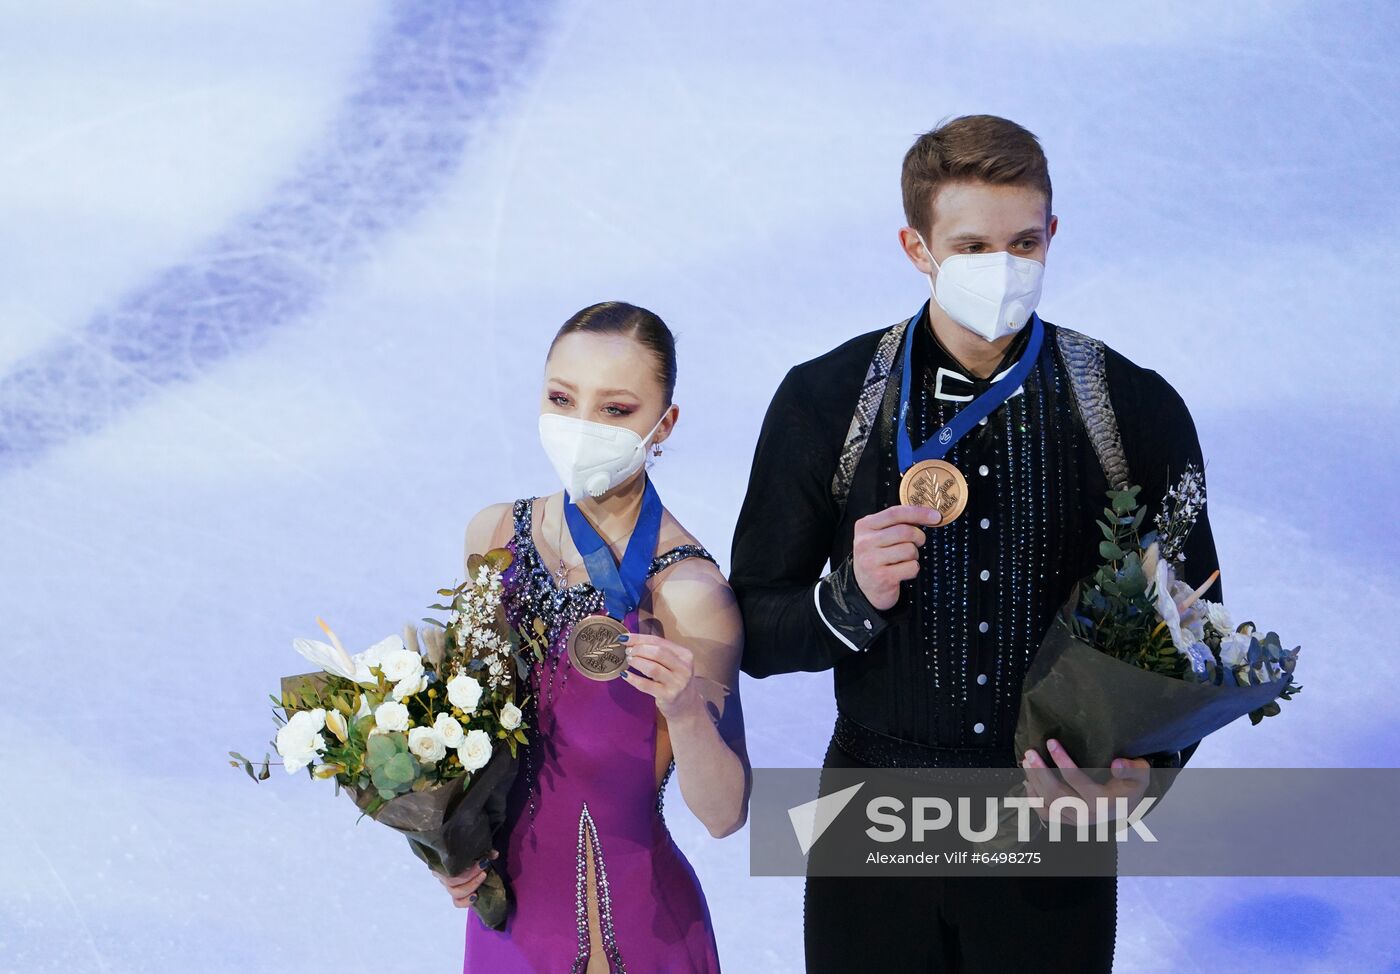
<point>592,458</point>
<point>991,295</point>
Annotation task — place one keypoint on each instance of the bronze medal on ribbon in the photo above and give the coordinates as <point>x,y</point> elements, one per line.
<point>936,484</point>
<point>594,650</point>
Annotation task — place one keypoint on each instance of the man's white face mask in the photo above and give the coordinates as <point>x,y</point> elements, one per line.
<point>592,458</point>
<point>991,295</point>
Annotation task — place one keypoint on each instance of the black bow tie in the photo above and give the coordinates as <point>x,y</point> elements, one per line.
<point>956,387</point>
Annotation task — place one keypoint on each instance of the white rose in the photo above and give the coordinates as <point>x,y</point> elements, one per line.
<point>299,754</point>
<point>427,746</point>
<point>1234,649</point>
<point>475,750</point>
<point>510,716</point>
<point>464,692</point>
<point>400,664</point>
<point>449,729</point>
<point>1219,616</point>
<point>409,685</point>
<point>299,741</point>
<point>373,656</point>
<point>391,716</point>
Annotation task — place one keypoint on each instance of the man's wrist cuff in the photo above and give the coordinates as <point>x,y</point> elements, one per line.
<point>845,610</point>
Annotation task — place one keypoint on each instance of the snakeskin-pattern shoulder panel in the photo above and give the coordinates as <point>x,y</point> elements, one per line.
<point>867,405</point>
<point>1084,361</point>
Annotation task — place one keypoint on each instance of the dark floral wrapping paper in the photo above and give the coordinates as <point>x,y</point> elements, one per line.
<point>447,826</point>
<point>450,827</point>
<point>1101,708</point>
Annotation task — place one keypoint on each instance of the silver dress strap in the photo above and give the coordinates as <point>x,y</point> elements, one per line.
<point>867,406</point>
<point>1084,360</point>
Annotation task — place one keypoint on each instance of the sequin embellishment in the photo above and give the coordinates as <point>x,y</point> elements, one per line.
<point>588,836</point>
<point>532,594</point>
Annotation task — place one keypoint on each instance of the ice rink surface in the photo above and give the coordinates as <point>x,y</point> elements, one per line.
<point>276,283</point>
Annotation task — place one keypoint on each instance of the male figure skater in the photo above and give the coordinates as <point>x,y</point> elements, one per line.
<point>933,607</point>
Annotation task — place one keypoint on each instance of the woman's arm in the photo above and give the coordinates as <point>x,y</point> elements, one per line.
<point>490,528</point>
<point>696,651</point>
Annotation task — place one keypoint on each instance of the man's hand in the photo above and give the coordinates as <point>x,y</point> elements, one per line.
<point>1129,781</point>
<point>886,550</point>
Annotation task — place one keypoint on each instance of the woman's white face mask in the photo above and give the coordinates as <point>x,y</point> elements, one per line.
<point>592,458</point>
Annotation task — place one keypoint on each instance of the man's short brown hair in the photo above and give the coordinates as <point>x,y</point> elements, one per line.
<point>973,147</point>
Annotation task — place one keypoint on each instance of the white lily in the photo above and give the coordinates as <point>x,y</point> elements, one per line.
<point>1176,604</point>
<point>333,658</point>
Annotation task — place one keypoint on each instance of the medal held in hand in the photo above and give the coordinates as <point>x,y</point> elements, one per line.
<point>927,479</point>
<point>593,646</point>
<point>936,484</point>
<point>594,650</point>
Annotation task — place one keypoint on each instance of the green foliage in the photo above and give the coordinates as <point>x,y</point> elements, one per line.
<point>1116,607</point>
<point>392,768</point>
<point>1116,610</point>
<point>240,760</point>
<point>381,764</point>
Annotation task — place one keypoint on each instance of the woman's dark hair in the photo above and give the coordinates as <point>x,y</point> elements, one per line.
<point>621,318</point>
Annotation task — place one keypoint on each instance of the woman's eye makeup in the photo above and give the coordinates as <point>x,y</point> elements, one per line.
<point>612,409</point>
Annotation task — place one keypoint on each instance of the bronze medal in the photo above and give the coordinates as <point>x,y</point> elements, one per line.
<point>936,484</point>
<point>594,650</point>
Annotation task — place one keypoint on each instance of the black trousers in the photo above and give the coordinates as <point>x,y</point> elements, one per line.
<point>958,924</point>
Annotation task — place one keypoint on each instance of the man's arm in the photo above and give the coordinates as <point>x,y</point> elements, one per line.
<point>794,617</point>
<point>1159,440</point>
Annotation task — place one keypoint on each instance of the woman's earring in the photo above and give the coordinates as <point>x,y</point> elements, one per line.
<point>656,449</point>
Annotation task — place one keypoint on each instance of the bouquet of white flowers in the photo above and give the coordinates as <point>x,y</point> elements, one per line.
<point>1137,663</point>
<point>423,738</point>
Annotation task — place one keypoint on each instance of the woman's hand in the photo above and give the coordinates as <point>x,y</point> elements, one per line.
<point>667,672</point>
<point>463,886</point>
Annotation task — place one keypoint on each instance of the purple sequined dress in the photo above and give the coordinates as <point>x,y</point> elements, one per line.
<point>587,776</point>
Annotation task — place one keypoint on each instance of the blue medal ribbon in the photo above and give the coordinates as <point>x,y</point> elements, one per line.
<point>622,585</point>
<point>938,445</point>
